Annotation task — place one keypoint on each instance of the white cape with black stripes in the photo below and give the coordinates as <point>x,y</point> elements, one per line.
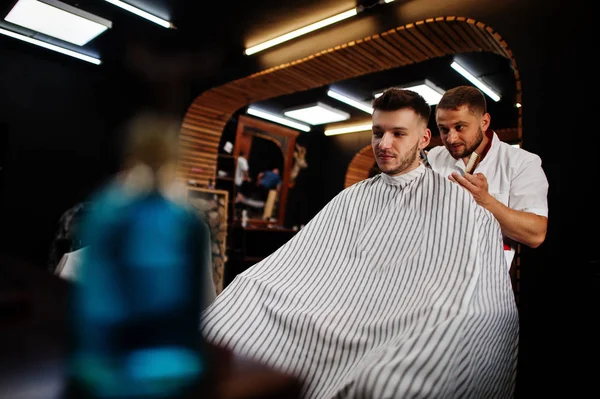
<point>397,288</point>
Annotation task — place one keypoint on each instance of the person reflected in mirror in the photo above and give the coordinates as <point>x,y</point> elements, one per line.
<point>254,201</point>
<point>242,172</point>
<point>267,181</point>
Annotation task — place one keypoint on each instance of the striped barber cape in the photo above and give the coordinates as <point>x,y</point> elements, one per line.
<point>397,288</point>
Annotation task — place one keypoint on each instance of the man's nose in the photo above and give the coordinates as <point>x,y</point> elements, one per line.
<point>452,137</point>
<point>385,141</point>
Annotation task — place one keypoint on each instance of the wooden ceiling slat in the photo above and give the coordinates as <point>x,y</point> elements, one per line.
<point>437,26</point>
<point>385,56</point>
<point>391,38</point>
<point>326,69</point>
<point>333,66</point>
<point>400,36</point>
<point>340,63</point>
<point>261,90</point>
<point>207,140</point>
<point>478,37</point>
<point>446,26</point>
<point>492,44</point>
<point>465,33</point>
<point>208,127</point>
<point>195,119</point>
<point>345,64</point>
<point>311,69</point>
<point>297,76</point>
<point>196,164</point>
<point>197,157</point>
<point>370,64</point>
<point>383,61</point>
<point>384,45</point>
<point>347,53</point>
<point>423,40</point>
<point>207,109</point>
<point>286,86</point>
<point>427,30</point>
<point>213,135</point>
<point>240,93</point>
<point>207,118</point>
<point>306,69</point>
<point>199,144</point>
<point>363,49</point>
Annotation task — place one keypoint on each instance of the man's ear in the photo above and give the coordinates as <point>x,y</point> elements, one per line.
<point>485,121</point>
<point>425,139</point>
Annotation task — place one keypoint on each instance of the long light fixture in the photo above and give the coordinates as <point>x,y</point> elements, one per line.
<point>317,114</point>
<point>50,46</point>
<point>471,78</point>
<point>278,119</point>
<point>299,32</point>
<point>348,129</point>
<point>350,101</point>
<point>429,91</point>
<point>153,18</point>
<point>57,19</point>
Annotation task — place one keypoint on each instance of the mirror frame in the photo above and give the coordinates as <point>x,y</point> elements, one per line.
<point>283,135</point>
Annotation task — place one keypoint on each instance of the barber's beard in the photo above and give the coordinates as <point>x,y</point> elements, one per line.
<point>471,148</point>
<point>407,160</point>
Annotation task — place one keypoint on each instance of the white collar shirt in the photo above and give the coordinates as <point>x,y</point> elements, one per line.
<point>515,178</point>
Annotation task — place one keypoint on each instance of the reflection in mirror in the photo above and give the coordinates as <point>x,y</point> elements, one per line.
<point>268,150</point>
<point>265,162</point>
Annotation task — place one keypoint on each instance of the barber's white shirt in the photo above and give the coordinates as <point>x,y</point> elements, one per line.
<point>515,178</point>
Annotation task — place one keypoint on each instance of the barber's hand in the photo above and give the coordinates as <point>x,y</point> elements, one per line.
<point>476,184</point>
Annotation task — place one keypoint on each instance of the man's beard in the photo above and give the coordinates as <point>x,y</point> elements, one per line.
<point>469,149</point>
<point>405,161</point>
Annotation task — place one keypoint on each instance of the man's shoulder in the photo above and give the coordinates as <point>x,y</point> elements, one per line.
<point>439,154</point>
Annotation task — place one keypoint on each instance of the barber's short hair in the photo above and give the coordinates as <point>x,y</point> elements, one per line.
<point>394,99</point>
<point>470,96</point>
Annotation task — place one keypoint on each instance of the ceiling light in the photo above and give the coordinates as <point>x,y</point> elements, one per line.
<point>317,114</point>
<point>430,92</point>
<point>348,129</point>
<point>300,32</point>
<point>50,46</point>
<point>278,119</point>
<point>153,18</point>
<point>482,86</point>
<point>57,19</point>
<point>388,1</point>
<point>350,101</point>
<point>518,105</point>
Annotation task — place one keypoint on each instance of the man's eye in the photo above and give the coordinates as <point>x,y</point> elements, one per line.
<point>376,134</point>
<point>459,128</point>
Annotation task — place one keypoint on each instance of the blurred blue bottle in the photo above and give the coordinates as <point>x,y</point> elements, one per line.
<point>136,307</point>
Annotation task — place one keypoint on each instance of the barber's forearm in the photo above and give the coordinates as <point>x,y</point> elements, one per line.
<point>524,227</point>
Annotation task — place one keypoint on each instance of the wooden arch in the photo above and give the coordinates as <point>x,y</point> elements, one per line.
<point>412,43</point>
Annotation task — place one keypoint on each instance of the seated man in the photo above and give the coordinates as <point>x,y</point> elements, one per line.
<point>397,288</point>
<point>268,180</point>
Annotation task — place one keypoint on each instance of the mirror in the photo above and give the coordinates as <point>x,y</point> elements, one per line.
<point>268,150</point>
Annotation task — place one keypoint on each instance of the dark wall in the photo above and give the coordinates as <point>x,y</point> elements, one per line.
<point>559,288</point>
<point>58,117</point>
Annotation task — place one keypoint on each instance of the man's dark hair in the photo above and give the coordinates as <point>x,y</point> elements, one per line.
<point>470,96</point>
<point>394,99</point>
